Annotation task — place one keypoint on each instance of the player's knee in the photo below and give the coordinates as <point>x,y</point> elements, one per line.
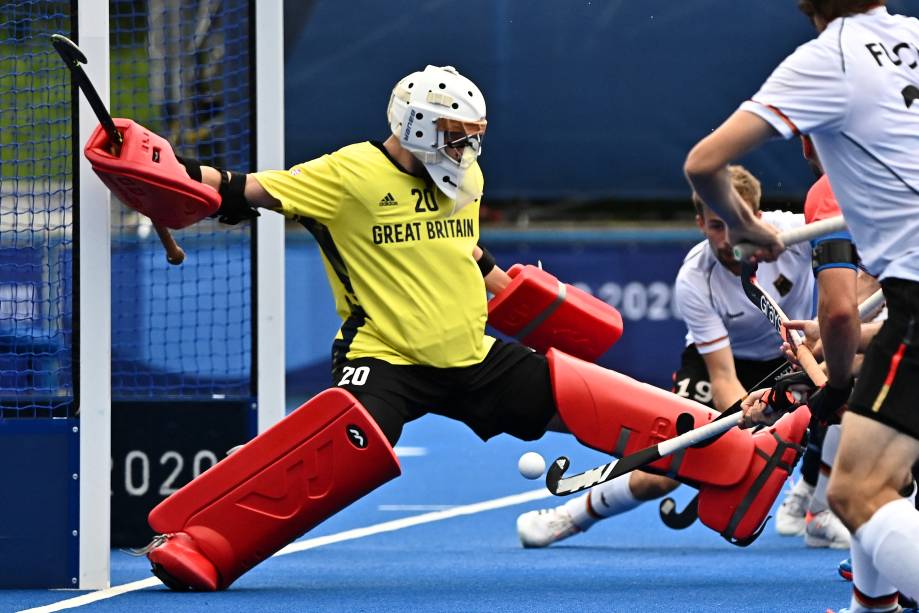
<point>852,498</point>
<point>840,500</point>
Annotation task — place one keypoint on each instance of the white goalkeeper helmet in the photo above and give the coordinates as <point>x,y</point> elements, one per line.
<point>439,116</point>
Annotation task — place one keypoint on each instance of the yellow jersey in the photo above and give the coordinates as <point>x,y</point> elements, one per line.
<point>400,265</point>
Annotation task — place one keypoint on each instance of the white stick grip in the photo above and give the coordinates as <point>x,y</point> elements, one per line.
<point>697,435</point>
<point>871,304</point>
<point>742,251</point>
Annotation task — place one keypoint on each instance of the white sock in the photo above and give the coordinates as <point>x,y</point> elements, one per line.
<point>807,488</point>
<point>891,538</point>
<point>871,592</point>
<point>818,501</point>
<point>605,500</point>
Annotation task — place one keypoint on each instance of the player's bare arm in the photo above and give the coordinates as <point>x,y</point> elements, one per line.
<point>726,387</point>
<point>240,193</point>
<point>495,277</point>
<point>839,325</point>
<point>706,171</point>
<point>259,196</point>
<point>253,191</point>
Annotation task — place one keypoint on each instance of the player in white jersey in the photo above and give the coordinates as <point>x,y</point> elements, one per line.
<point>835,262</point>
<point>854,89</point>
<point>722,321</point>
<point>730,346</point>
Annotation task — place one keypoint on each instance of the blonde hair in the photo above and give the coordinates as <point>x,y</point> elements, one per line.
<point>748,186</point>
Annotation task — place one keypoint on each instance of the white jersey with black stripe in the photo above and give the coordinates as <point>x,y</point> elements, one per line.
<point>855,90</point>
<point>718,314</point>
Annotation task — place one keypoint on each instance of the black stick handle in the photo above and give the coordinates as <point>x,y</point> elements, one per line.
<point>74,58</point>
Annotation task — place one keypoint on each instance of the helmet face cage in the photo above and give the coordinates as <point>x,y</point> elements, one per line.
<point>460,141</point>
<point>439,116</point>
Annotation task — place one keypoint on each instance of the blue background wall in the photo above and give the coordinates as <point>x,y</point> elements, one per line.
<point>587,99</point>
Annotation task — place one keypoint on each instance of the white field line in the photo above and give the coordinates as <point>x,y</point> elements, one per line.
<point>416,520</point>
<point>348,535</point>
<point>414,507</point>
<point>410,452</point>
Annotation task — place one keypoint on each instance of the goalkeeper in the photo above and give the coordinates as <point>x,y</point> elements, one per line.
<point>397,224</point>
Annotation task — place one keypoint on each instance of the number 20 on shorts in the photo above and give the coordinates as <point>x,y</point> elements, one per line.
<point>354,376</point>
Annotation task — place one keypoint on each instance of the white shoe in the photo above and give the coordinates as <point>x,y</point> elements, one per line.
<point>791,516</point>
<point>825,530</point>
<point>544,527</point>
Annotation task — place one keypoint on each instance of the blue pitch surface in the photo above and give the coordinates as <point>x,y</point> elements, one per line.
<point>475,563</point>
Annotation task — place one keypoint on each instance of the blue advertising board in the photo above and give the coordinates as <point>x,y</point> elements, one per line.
<point>39,524</point>
<point>586,100</point>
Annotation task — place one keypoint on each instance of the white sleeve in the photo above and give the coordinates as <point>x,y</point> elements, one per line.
<point>808,92</point>
<point>694,304</point>
<point>784,220</point>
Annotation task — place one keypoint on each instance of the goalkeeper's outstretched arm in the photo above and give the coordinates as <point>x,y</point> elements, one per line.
<point>241,194</point>
<point>253,190</point>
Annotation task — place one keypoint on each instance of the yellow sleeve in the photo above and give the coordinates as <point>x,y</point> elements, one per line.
<point>313,189</point>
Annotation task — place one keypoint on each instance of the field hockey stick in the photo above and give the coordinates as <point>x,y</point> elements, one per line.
<point>73,58</point>
<point>777,317</point>
<point>560,485</point>
<point>871,304</point>
<point>679,520</point>
<point>743,251</point>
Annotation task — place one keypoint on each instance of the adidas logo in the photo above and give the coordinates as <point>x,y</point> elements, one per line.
<point>388,200</point>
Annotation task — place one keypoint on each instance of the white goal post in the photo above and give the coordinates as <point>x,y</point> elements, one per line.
<point>95,268</point>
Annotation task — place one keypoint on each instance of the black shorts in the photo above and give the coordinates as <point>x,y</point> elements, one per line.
<point>887,390</point>
<point>691,379</point>
<point>507,392</point>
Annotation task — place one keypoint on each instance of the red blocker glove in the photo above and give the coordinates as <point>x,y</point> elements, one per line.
<point>146,175</point>
<point>542,312</point>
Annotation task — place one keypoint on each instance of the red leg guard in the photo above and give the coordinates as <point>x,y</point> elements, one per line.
<point>180,565</point>
<point>310,465</point>
<point>619,415</point>
<point>739,512</point>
